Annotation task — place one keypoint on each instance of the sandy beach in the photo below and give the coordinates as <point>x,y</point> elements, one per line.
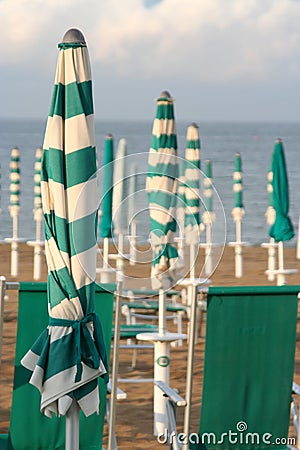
<point>134,422</point>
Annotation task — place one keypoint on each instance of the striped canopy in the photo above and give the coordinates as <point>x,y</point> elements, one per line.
<point>14,166</point>
<point>106,225</point>
<point>238,181</point>
<point>119,191</point>
<point>38,213</point>
<point>282,229</point>
<point>161,186</point>
<point>192,186</point>
<point>69,356</point>
<point>270,213</point>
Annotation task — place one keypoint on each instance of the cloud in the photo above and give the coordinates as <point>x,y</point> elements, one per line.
<point>200,41</point>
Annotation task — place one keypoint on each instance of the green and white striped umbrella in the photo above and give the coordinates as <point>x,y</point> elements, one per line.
<point>106,224</point>
<point>238,182</point>
<point>192,221</point>
<point>69,356</point>
<point>38,212</point>
<point>270,213</point>
<point>282,229</point>
<point>14,166</point>
<point>208,216</point>
<point>119,191</point>
<point>161,186</point>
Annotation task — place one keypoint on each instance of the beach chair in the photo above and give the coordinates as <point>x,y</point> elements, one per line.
<point>29,429</point>
<point>248,371</point>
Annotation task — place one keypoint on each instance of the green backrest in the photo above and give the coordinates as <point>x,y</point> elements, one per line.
<point>29,429</point>
<point>249,365</point>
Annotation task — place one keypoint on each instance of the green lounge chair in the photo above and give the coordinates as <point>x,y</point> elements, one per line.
<point>248,370</point>
<point>29,429</point>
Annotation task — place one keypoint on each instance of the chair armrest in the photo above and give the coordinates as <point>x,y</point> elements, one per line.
<point>170,393</point>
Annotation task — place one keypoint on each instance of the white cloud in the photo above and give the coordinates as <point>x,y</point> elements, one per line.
<point>202,41</point>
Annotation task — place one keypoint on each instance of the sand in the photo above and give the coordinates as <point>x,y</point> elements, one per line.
<point>134,422</point>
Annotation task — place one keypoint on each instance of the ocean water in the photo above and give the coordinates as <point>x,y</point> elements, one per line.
<point>219,143</point>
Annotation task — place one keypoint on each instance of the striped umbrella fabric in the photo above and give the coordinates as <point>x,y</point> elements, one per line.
<point>119,190</point>
<point>106,225</point>
<point>14,166</point>
<point>192,221</point>
<point>69,356</point>
<point>270,213</point>
<point>161,187</point>
<point>38,212</point>
<point>208,216</point>
<point>238,181</point>
<point>282,229</point>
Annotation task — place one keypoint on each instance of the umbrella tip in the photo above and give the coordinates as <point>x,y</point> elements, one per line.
<point>165,94</point>
<point>73,35</point>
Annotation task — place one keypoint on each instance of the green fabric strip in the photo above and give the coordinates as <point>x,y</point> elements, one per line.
<point>164,141</point>
<point>165,111</point>
<point>72,100</point>
<point>106,224</point>
<point>55,161</point>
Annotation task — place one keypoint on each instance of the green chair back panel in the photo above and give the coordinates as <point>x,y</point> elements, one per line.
<point>29,429</point>
<point>249,365</point>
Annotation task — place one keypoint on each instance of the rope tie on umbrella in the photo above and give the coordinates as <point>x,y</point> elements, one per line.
<point>87,348</point>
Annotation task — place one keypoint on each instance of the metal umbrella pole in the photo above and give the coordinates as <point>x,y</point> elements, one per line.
<point>115,363</point>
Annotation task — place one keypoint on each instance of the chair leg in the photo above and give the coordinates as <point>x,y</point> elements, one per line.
<point>108,420</point>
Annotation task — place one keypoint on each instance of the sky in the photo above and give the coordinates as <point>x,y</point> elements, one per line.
<point>219,59</point>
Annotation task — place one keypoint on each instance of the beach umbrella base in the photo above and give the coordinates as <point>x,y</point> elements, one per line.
<point>271,247</point>
<point>161,373</point>
<point>281,275</point>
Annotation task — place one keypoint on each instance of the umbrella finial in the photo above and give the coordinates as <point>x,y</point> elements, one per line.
<point>73,35</point>
<point>165,94</point>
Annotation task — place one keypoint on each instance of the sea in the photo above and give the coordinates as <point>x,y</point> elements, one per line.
<point>220,141</point>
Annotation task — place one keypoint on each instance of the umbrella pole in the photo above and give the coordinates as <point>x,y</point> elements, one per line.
<point>132,240</point>
<point>271,260</point>
<point>37,263</point>
<point>238,250</point>
<point>72,427</point>
<point>280,277</point>
<point>162,313</point>
<point>115,364</point>
<point>14,248</point>
<point>105,252</point>
<point>192,292</point>
<point>208,251</point>
<point>192,261</point>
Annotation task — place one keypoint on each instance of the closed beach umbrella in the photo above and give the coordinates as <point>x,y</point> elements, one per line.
<point>192,185</point>
<point>282,229</point>
<point>106,226</point>
<point>192,222</point>
<point>38,216</point>
<point>119,209</point>
<point>14,207</point>
<point>208,216</point>
<point>37,185</point>
<point>238,213</point>
<point>161,186</point>
<point>180,210</point>
<point>69,356</point>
